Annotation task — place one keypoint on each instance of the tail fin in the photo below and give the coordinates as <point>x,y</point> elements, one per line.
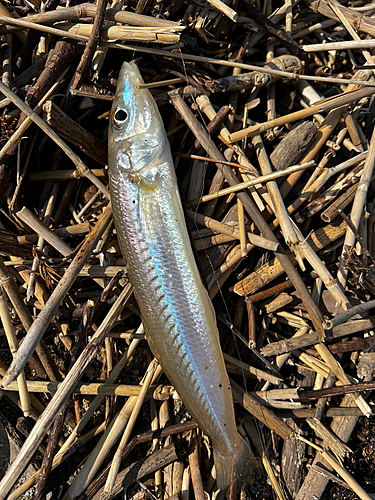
<point>233,470</point>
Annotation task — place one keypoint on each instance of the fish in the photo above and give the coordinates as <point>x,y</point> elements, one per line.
<point>176,310</point>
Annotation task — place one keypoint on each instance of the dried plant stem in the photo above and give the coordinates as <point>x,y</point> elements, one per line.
<point>81,167</point>
<point>225,9</point>
<point>45,29</point>
<point>327,278</point>
<point>259,411</point>
<point>345,475</point>
<point>241,227</point>
<point>42,321</point>
<point>337,370</point>
<point>319,107</point>
<point>18,133</point>
<point>9,285</point>
<point>97,456</point>
<point>21,385</point>
<point>347,45</point>
<point>278,207</point>
<point>92,388</point>
<point>236,64</point>
<point>64,391</point>
<point>253,433</point>
<point>343,317</point>
<point>233,232</point>
<point>255,182</point>
<point>59,458</point>
<point>92,42</point>
<point>89,10</point>
<point>325,130</point>
<point>196,477</point>
<point>34,223</point>
<point>357,209</point>
<point>116,462</point>
<point>249,206</point>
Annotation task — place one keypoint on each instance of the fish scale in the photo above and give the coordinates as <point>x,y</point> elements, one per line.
<point>175,308</point>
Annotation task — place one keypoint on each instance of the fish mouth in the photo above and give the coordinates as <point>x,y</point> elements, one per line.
<point>129,73</point>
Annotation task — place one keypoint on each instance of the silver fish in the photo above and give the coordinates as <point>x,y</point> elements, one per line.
<point>176,311</point>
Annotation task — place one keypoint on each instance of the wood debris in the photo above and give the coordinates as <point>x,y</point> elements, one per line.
<point>269,110</point>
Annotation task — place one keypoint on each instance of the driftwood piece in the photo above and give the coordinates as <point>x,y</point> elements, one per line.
<point>294,144</point>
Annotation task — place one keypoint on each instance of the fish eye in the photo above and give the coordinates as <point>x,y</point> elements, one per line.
<point>119,117</point>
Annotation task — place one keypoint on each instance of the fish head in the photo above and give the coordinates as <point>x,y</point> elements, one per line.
<point>136,132</point>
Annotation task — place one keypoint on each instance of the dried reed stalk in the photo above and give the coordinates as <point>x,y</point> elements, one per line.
<point>21,384</point>
<point>249,206</point>
<point>357,209</point>
<point>116,462</point>
<point>42,321</point>
<point>64,391</point>
<point>81,167</point>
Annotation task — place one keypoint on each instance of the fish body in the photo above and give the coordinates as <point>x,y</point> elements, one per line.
<point>176,311</point>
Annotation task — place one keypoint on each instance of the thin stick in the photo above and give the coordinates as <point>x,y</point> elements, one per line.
<point>55,241</point>
<point>357,209</point>
<point>343,317</point>
<point>255,182</point>
<point>319,107</point>
<point>347,45</point>
<point>345,475</point>
<point>13,346</point>
<point>236,64</point>
<point>241,227</point>
<point>81,167</point>
<point>336,368</point>
<point>42,425</point>
<point>18,133</point>
<point>43,319</point>
<point>92,42</point>
<point>366,253</point>
<point>231,231</point>
<point>44,29</point>
<point>93,388</point>
<point>250,207</point>
<point>116,462</point>
<point>196,477</point>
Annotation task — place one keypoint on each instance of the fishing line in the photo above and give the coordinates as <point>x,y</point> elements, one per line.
<point>216,279</point>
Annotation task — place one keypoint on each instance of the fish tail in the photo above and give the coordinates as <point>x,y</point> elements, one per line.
<point>234,469</point>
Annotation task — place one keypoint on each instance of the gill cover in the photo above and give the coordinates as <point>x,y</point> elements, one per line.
<point>136,128</point>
